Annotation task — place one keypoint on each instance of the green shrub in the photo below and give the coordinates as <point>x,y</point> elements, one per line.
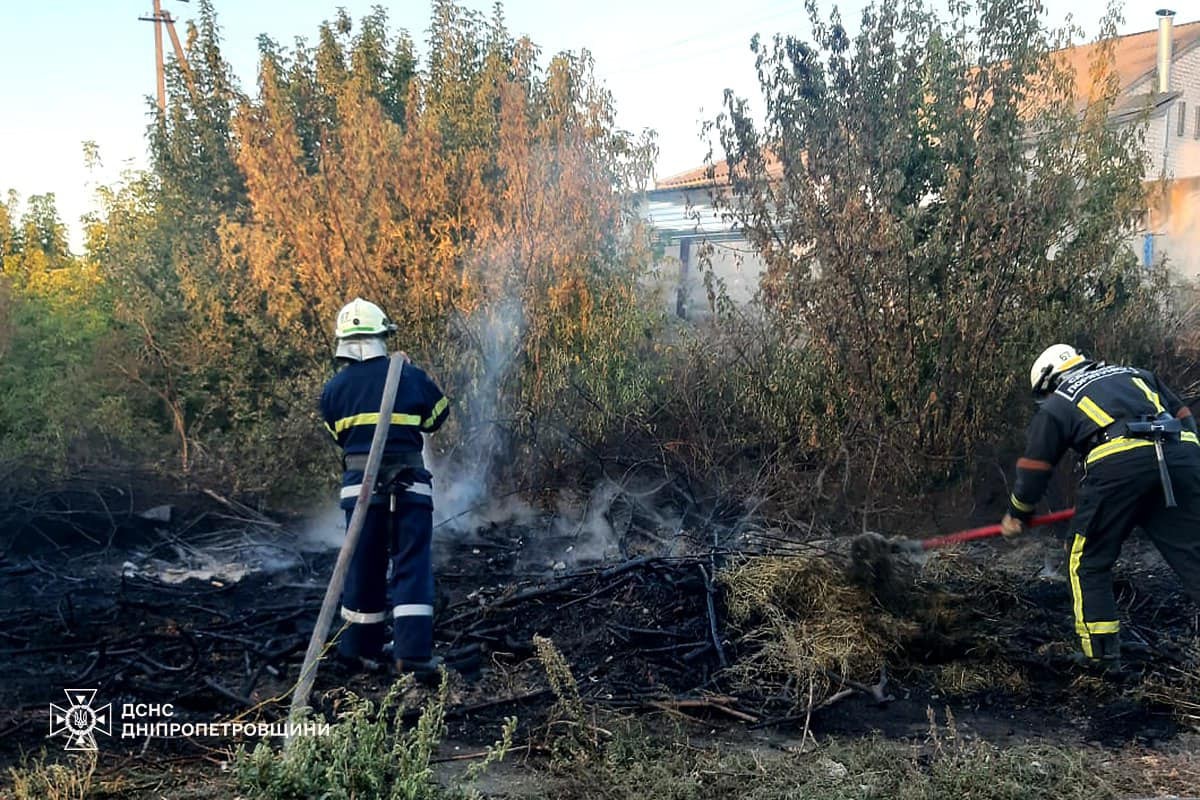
<point>38,780</point>
<point>365,754</point>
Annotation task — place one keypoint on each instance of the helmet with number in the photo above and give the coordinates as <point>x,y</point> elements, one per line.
<point>1052,365</point>
<point>360,330</point>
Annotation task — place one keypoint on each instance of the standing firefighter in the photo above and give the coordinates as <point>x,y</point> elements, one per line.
<point>1141,457</point>
<point>399,522</point>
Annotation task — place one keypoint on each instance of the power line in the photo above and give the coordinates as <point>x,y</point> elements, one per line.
<point>725,29</point>
<point>661,55</point>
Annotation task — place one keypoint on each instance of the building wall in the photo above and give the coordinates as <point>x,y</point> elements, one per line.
<point>734,262</point>
<point>1179,224</point>
<point>1183,151</point>
<point>1172,154</point>
<point>1174,220</point>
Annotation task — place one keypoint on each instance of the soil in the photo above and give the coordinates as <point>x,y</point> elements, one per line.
<point>637,632</point>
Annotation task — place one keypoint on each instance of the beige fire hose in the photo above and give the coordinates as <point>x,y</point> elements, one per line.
<point>308,673</point>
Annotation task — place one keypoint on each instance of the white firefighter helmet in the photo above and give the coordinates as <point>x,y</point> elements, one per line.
<point>1052,364</point>
<point>360,331</point>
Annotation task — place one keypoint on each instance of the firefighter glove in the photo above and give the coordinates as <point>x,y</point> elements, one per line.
<point>1011,526</point>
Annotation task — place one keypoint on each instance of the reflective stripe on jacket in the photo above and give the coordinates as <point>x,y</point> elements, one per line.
<point>1086,413</point>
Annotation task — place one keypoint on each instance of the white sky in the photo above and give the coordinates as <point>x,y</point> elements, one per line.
<point>78,70</point>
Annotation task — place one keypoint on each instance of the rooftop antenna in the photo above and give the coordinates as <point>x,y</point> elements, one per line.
<point>162,18</point>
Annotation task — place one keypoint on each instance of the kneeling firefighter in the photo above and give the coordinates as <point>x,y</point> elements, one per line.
<point>392,569</point>
<point>1141,458</point>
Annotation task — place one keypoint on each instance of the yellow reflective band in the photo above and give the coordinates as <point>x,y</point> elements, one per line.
<point>1111,626</point>
<point>1151,395</point>
<point>1018,505</point>
<point>1095,412</point>
<point>332,432</point>
<point>1077,592</point>
<point>1066,365</point>
<point>370,419</point>
<point>437,411</point>
<point>1188,436</point>
<point>1118,445</point>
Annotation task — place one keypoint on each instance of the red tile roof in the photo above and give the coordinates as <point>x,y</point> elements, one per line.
<point>699,177</point>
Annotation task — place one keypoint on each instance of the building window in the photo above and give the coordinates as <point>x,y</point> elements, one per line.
<point>1182,116</point>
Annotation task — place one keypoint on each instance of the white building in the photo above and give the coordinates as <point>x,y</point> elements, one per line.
<point>1160,70</point>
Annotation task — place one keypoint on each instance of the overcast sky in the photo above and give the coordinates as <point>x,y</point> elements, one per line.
<point>78,70</point>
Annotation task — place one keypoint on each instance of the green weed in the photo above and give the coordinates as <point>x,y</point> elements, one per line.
<point>363,755</point>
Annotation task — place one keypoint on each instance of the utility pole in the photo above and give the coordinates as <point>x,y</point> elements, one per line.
<point>161,18</point>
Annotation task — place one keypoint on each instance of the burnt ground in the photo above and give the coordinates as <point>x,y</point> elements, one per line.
<point>637,631</point>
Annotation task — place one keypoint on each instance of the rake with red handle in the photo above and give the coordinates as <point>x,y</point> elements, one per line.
<point>991,530</point>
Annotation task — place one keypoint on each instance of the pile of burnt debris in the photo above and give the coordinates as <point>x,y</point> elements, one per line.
<point>752,628</point>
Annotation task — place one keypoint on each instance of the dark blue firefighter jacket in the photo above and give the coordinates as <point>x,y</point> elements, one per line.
<point>350,408</point>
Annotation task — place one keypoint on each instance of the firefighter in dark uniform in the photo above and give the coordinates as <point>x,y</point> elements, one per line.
<point>1141,457</point>
<point>391,573</point>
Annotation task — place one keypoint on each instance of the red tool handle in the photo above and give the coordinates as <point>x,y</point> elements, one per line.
<point>991,530</point>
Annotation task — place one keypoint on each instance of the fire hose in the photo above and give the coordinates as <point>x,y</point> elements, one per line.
<point>988,531</point>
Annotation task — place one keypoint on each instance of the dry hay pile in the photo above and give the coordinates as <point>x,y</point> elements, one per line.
<point>803,624</point>
<point>958,625</point>
<point>809,626</point>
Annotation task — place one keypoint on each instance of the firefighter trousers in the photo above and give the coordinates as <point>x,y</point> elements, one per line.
<point>1119,493</point>
<point>391,574</point>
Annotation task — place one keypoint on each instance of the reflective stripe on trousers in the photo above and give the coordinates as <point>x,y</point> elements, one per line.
<point>363,617</point>
<point>412,610</point>
<point>419,489</point>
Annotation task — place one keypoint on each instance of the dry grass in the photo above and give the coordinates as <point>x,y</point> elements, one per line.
<point>801,620</point>
<point>572,734</point>
<point>1179,689</point>
<point>960,625</point>
<point>39,780</point>
<point>944,766</point>
<point>962,679</point>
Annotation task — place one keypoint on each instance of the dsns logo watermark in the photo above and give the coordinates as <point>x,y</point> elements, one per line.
<point>78,721</point>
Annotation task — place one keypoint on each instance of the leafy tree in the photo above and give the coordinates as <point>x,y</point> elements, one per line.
<point>935,202</point>
<point>51,316</point>
<point>483,202</point>
<point>194,341</point>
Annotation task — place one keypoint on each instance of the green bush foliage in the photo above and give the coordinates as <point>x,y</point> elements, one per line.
<point>934,198</point>
<point>366,754</point>
<point>53,316</point>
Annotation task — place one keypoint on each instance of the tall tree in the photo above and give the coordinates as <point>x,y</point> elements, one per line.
<point>478,192</point>
<point>935,200</point>
<point>189,344</point>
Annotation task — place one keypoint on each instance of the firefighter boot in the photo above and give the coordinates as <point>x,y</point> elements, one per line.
<point>427,671</point>
<point>1105,659</point>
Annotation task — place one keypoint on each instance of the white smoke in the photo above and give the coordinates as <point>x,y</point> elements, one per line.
<point>322,529</point>
<point>463,473</point>
<point>588,526</point>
